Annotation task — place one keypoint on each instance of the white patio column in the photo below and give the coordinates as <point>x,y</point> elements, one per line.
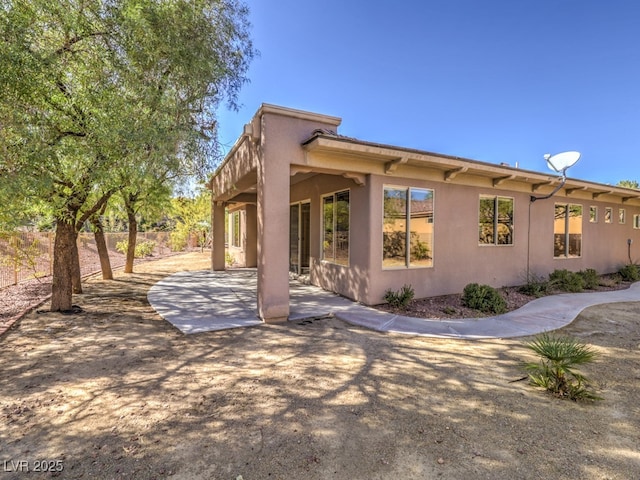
<point>273,238</point>
<point>218,236</point>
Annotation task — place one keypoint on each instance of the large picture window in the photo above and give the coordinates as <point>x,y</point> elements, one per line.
<point>495,221</point>
<point>407,231</point>
<point>567,231</point>
<point>335,228</point>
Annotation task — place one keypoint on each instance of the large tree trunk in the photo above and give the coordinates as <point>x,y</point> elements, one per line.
<point>103,253</point>
<point>61,290</point>
<point>131,248</point>
<point>76,275</point>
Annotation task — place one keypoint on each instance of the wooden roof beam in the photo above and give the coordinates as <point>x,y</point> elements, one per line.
<point>536,186</point>
<point>392,165</point>
<point>451,174</point>
<point>574,189</point>
<point>599,194</point>
<point>499,180</point>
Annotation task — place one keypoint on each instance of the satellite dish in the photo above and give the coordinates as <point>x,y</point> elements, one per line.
<point>561,161</point>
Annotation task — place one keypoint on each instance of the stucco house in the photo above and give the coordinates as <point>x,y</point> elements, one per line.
<point>359,218</point>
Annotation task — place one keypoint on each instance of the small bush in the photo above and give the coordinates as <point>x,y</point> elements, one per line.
<point>143,249</point>
<point>400,298</point>
<point>484,298</point>
<point>566,281</point>
<point>178,241</point>
<point>229,259</point>
<point>630,273</point>
<point>556,370</point>
<point>590,278</point>
<point>536,286</point>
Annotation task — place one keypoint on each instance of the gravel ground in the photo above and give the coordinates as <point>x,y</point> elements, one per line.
<point>116,392</point>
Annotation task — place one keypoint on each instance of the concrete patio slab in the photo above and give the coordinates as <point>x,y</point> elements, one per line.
<point>201,301</point>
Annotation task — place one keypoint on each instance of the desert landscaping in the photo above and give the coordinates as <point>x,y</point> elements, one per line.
<point>116,392</point>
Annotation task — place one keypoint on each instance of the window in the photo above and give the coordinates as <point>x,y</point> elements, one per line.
<point>608,215</point>
<point>335,228</point>
<point>622,216</point>
<point>235,229</point>
<point>636,221</point>
<point>567,231</point>
<point>593,214</point>
<point>495,221</point>
<point>407,230</point>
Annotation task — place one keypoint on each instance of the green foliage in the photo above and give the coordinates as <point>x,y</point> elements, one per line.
<point>536,286</point>
<point>630,272</point>
<point>556,370</point>
<point>629,184</point>
<point>97,94</point>
<point>590,277</point>
<point>566,281</point>
<point>229,259</point>
<point>419,249</point>
<point>400,298</point>
<point>143,249</point>
<point>178,240</point>
<point>484,298</point>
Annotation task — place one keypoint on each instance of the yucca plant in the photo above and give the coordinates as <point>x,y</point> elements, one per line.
<point>557,369</point>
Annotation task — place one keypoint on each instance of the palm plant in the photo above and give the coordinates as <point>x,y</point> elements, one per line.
<point>556,370</point>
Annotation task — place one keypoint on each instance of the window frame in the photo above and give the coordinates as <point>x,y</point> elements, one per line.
<point>236,229</point>
<point>333,259</point>
<point>636,221</point>
<point>608,215</point>
<point>496,206</point>
<point>622,216</point>
<point>593,214</point>
<point>567,230</point>
<point>408,264</point>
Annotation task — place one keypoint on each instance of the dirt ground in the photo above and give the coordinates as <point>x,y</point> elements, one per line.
<point>116,392</point>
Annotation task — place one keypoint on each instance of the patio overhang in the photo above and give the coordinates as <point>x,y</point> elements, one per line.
<point>333,152</point>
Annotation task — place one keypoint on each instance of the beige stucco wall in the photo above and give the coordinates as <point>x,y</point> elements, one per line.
<point>266,160</point>
<point>459,259</point>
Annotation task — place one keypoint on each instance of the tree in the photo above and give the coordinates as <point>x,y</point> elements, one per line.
<point>191,215</point>
<point>629,184</point>
<point>88,86</point>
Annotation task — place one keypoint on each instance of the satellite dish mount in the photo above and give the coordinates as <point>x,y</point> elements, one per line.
<point>560,163</point>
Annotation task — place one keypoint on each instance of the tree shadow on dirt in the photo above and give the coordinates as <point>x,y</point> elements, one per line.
<point>117,392</point>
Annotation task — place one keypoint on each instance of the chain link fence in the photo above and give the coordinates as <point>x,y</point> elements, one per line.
<point>28,255</point>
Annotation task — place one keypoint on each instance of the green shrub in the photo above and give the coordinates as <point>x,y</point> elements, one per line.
<point>122,246</point>
<point>566,281</point>
<point>484,298</point>
<point>556,369</point>
<point>229,259</point>
<point>590,277</point>
<point>143,249</point>
<point>536,286</point>
<point>178,240</point>
<point>630,273</point>
<point>400,298</point>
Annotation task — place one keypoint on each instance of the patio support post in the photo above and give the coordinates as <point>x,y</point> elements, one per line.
<point>251,247</point>
<point>273,238</point>
<point>217,245</point>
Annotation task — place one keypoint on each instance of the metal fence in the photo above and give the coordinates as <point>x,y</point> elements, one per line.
<point>28,255</point>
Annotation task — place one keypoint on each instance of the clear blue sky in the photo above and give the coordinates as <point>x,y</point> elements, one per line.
<point>490,80</point>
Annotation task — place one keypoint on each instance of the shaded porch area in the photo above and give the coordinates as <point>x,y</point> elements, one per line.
<point>205,300</point>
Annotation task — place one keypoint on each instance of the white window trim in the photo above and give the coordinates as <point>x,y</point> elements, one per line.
<point>407,264</point>
<point>332,260</point>
<point>495,221</point>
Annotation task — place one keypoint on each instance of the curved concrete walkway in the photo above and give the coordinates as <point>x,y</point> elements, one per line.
<point>201,301</point>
